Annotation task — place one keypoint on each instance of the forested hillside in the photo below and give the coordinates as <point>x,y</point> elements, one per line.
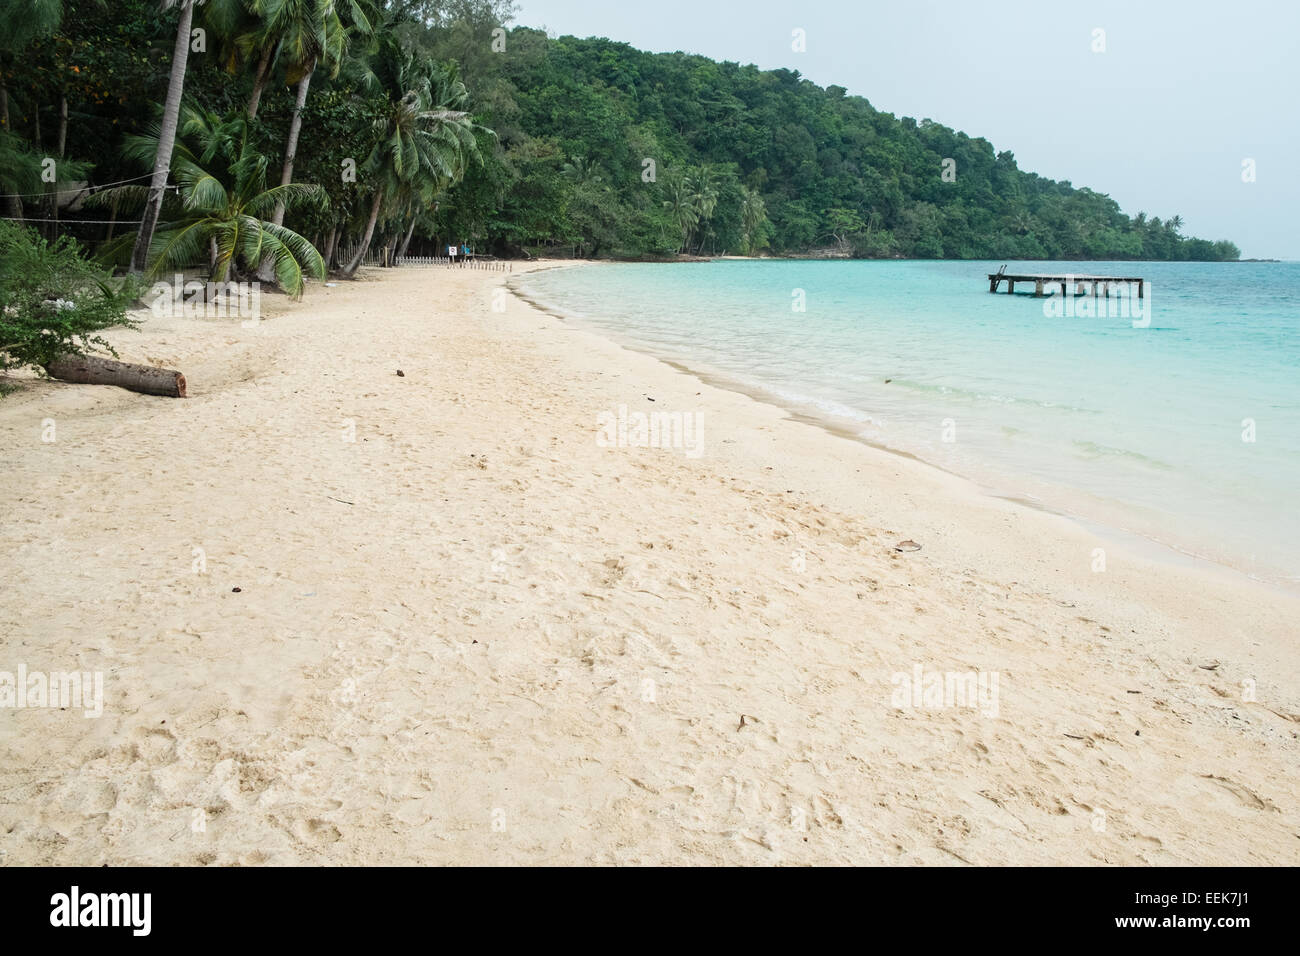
<point>749,160</point>
<point>582,146</point>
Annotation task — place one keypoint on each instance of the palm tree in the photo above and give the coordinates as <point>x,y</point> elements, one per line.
<point>258,31</point>
<point>223,206</point>
<point>1021,220</point>
<point>238,31</point>
<point>707,191</point>
<point>322,37</point>
<point>753,215</point>
<point>582,172</point>
<point>591,206</point>
<point>425,139</point>
<point>681,206</point>
<point>707,183</point>
<point>166,135</point>
<point>250,31</point>
<point>314,35</point>
<point>421,214</point>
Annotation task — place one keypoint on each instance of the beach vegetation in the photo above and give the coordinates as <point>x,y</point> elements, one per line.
<point>222,208</point>
<point>426,138</point>
<point>54,301</point>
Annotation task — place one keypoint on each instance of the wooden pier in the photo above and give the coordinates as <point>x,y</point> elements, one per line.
<point>1083,285</point>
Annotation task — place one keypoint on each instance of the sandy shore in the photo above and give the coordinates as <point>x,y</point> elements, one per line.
<point>478,634</point>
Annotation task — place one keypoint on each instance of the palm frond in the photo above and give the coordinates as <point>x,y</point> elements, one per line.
<point>129,198</point>
<point>291,195</point>
<point>178,245</point>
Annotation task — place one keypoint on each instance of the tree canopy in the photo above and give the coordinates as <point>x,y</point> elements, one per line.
<point>427,121</point>
<point>747,159</point>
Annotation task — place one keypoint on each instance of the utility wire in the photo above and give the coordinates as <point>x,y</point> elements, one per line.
<point>93,222</point>
<point>92,188</point>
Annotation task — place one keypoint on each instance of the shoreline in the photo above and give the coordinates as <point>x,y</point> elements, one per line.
<point>473,635</point>
<point>1107,525</point>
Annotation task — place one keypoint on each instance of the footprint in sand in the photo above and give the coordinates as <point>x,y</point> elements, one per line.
<point>1248,797</point>
<point>155,746</point>
<point>316,831</point>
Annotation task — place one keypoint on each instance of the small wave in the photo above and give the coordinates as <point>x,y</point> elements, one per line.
<point>531,296</point>
<point>825,406</point>
<point>989,396</point>
<point>1092,449</point>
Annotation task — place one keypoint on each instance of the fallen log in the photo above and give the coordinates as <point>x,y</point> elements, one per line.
<point>93,370</point>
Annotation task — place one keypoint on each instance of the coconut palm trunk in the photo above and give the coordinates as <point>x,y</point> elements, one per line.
<point>291,147</point>
<point>407,242</point>
<point>62,140</point>
<point>260,80</point>
<point>112,221</point>
<point>329,246</point>
<point>166,141</point>
<point>60,149</point>
<point>362,249</point>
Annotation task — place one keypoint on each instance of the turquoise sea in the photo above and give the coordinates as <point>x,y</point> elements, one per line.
<point>1181,426</point>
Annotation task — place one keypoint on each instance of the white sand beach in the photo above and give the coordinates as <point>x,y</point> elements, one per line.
<point>475,634</point>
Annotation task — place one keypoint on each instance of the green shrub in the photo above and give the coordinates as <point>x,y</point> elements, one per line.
<point>53,300</point>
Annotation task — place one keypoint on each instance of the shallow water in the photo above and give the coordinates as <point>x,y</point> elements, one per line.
<point>1139,420</point>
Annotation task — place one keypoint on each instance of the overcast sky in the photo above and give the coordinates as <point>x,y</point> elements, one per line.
<point>1161,121</point>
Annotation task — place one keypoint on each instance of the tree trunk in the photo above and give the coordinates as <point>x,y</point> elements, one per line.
<point>329,246</point>
<point>355,264</point>
<point>93,370</point>
<point>291,148</point>
<point>410,232</point>
<point>259,80</point>
<point>61,143</point>
<point>112,219</point>
<point>266,269</point>
<point>63,124</point>
<point>166,140</point>
<point>42,203</point>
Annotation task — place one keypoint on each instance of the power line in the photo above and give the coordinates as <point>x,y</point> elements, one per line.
<point>93,222</point>
<point>83,189</point>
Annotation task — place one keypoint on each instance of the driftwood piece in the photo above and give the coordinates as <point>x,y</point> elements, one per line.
<point>93,370</point>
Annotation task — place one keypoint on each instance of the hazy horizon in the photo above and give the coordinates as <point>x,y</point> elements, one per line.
<point>1161,121</point>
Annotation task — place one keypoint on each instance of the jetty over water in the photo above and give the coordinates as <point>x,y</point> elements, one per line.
<point>1083,285</point>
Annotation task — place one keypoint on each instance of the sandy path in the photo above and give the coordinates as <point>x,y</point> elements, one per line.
<point>473,635</point>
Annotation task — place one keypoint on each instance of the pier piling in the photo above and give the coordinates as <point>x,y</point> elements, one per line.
<point>1094,285</point>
